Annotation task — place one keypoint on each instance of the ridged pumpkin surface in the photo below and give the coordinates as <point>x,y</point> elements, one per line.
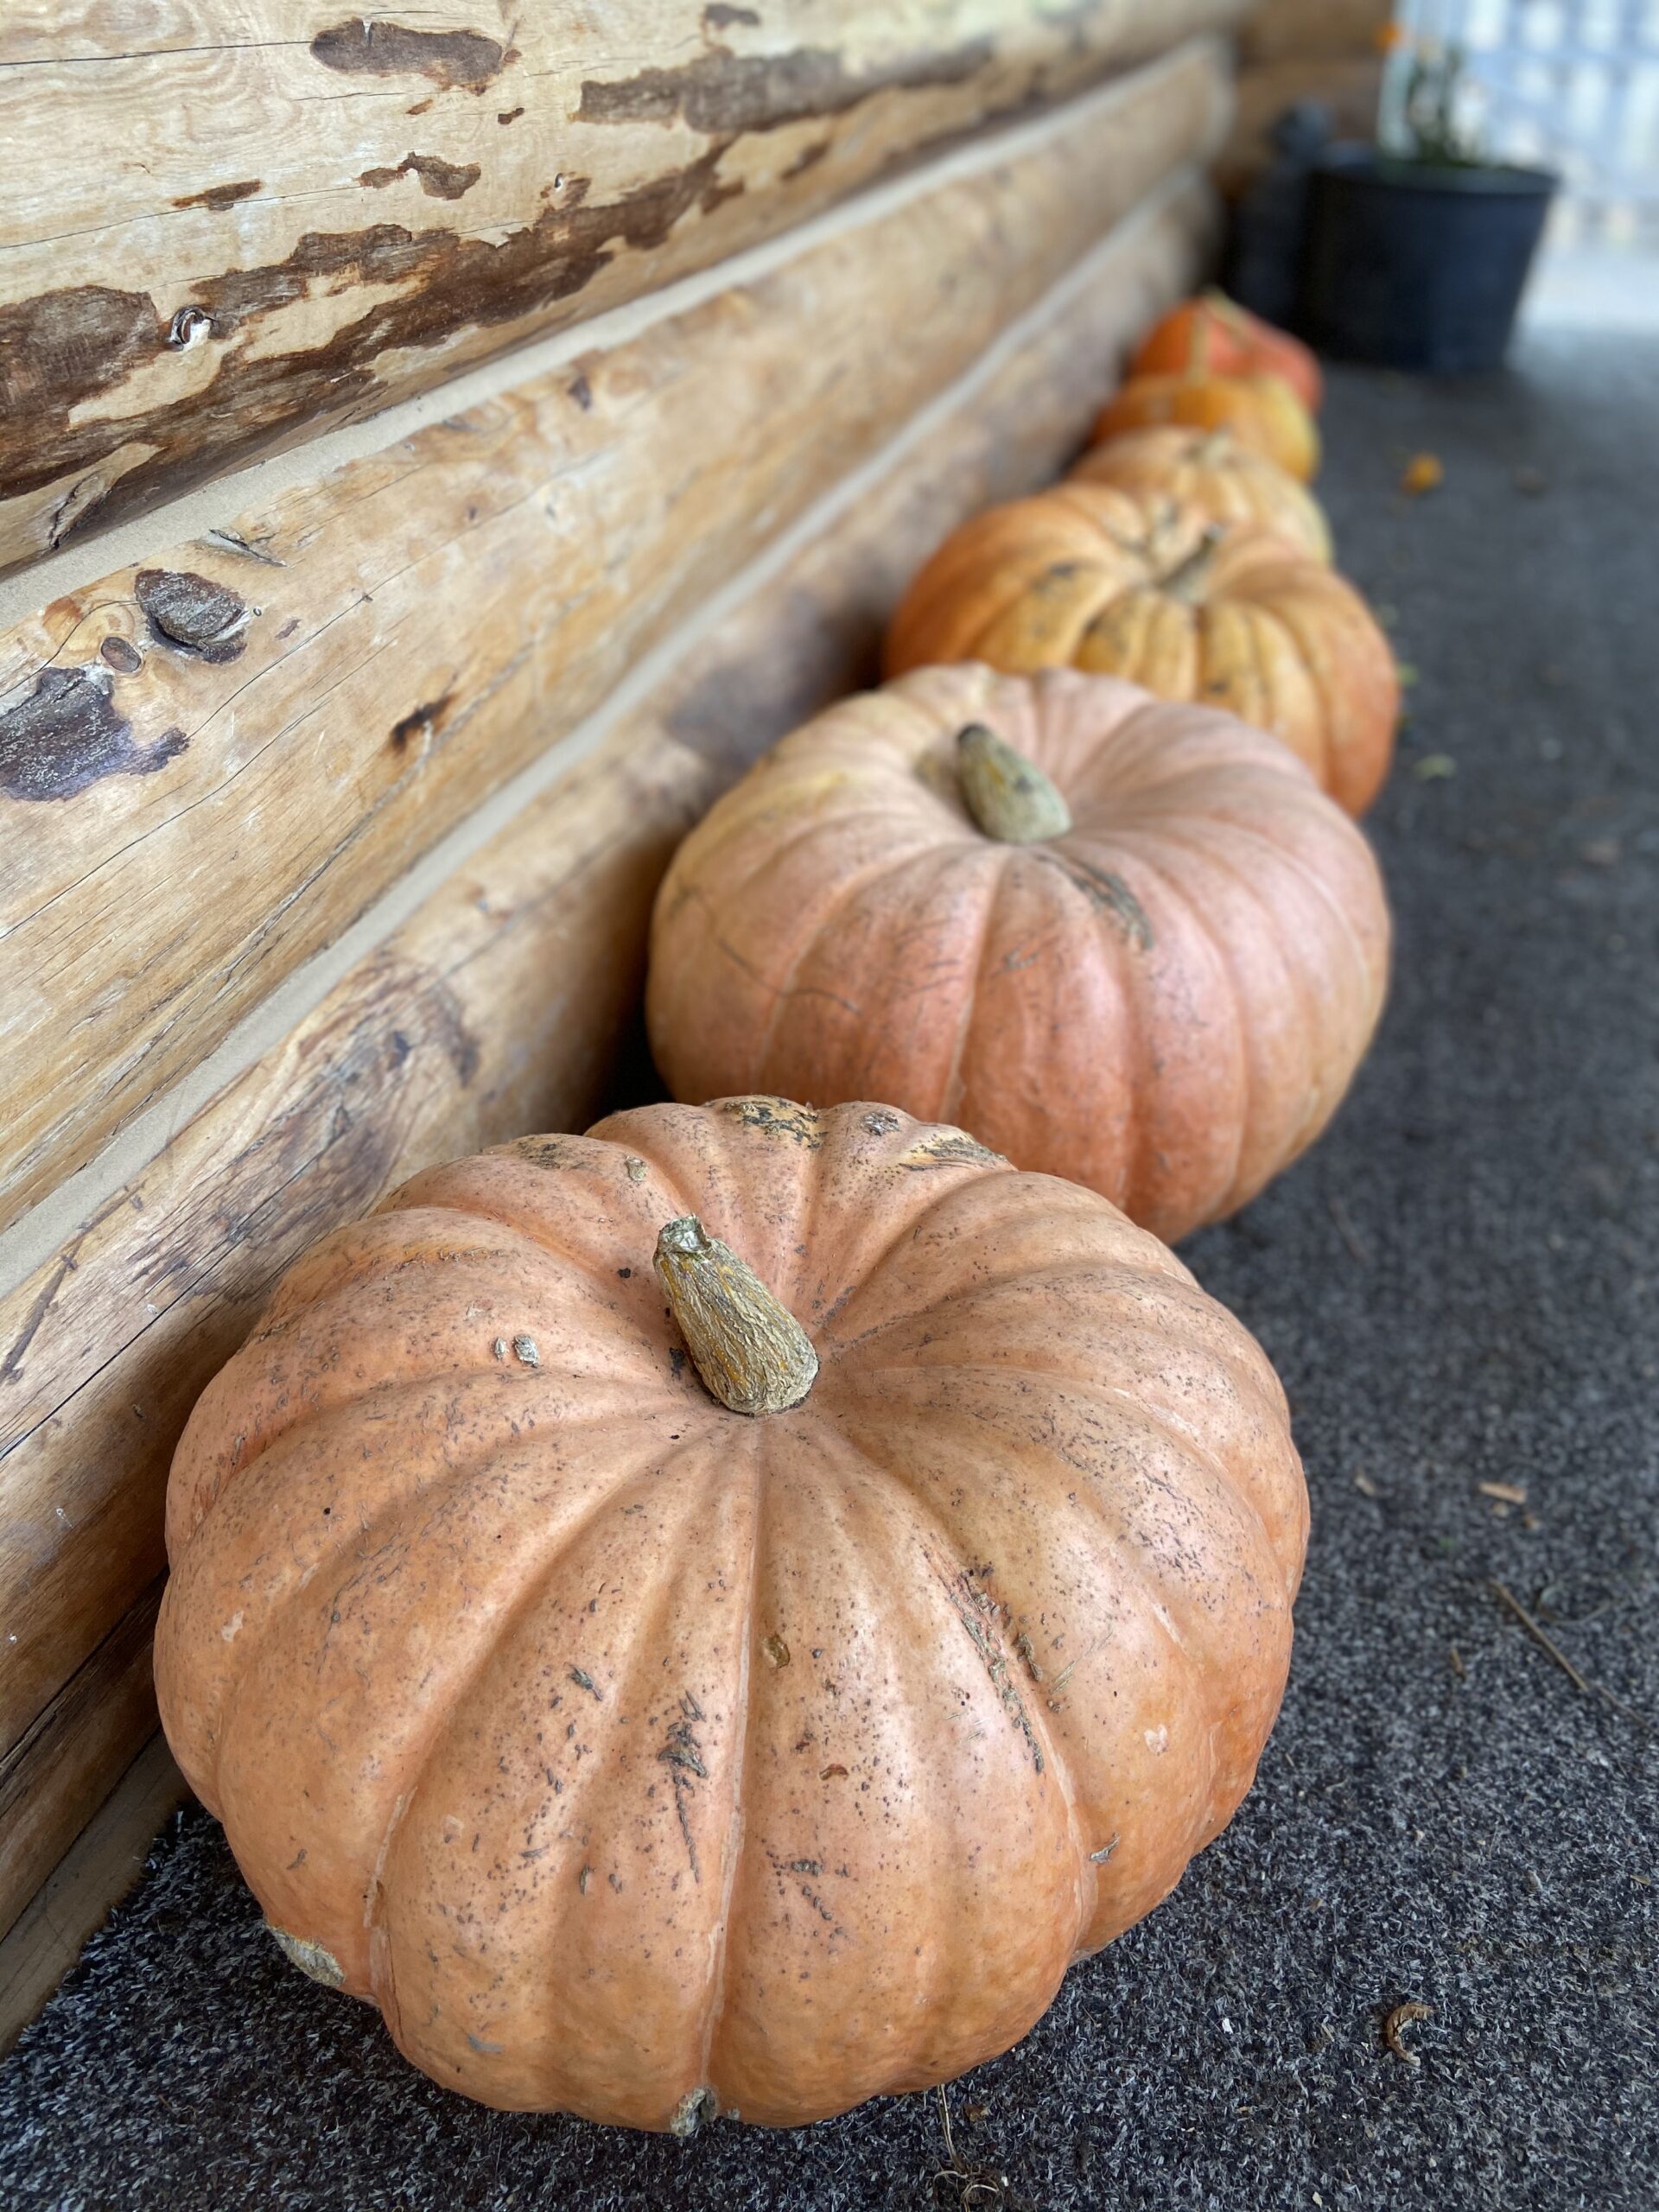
<point>638,1757</point>
<point>1214,333</point>
<point>1081,576</point>
<point>1261,411</point>
<point>1216,475</point>
<point>1166,1003</point>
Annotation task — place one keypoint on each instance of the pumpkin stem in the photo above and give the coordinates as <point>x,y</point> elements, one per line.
<point>751,1353</point>
<point>1008,796</point>
<point>1187,578</point>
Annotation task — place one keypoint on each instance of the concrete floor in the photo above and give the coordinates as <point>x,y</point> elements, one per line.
<point>1460,1287</point>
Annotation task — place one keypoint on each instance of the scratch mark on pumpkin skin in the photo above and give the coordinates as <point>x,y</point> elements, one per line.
<point>970,1605</point>
<point>683,1754</point>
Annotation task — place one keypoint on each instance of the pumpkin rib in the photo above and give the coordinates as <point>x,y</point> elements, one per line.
<point>1134,1577</point>
<point>1031,1722</point>
<point>737,1835</point>
<point>1291,861</point>
<point>1167,1425</point>
<point>1310,1028</point>
<point>412,1504</point>
<point>811,932</point>
<point>718,1444</point>
<point>950,1092</point>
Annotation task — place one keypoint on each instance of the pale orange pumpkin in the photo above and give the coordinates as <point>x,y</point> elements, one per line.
<point>1261,411</point>
<point>1212,473</point>
<point>1081,576</point>
<point>645,1758</point>
<point>1214,333</point>
<point>1159,984</point>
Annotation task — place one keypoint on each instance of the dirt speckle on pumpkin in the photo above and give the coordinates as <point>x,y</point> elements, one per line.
<point>799,1124</point>
<point>524,1349</point>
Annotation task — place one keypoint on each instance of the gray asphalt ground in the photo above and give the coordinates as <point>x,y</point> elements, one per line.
<point>1458,1287</point>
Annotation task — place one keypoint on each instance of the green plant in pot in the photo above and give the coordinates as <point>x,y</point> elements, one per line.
<point>1418,247</point>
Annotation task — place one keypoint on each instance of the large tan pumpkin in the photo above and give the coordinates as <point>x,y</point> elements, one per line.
<point>1166,1001</point>
<point>642,1758</point>
<point>1212,473</point>
<point>1083,575</point>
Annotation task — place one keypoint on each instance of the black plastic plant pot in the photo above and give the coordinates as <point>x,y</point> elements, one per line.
<point>1415,266</point>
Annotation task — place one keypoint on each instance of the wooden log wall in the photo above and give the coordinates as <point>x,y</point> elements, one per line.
<point>1291,50</point>
<point>429,709</point>
<point>228,221</point>
<point>229,746</point>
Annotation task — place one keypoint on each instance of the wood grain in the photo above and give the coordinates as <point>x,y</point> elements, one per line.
<point>104,1861</point>
<point>58,1773</point>
<point>223,222</point>
<point>501,1005</point>
<point>1274,31</point>
<point>210,762</point>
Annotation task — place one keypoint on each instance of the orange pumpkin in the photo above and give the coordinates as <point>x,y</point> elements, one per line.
<point>1261,411</point>
<point>644,1758</point>
<point>1152,964</point>
<point>1212,332</point>
<point>1214,474</point>
<point>1081,576</point>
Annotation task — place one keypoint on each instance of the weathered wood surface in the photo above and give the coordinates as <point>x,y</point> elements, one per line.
<point>1347,84</point>
<point>1275,29</point>
<point>58,1773</point>
<point>210,761</point>
<point>222,222</point>
<point>106,1860</point>
<point>500,1006</point>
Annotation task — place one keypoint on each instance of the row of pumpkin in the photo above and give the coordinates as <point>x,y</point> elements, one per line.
<point>646,1760</point>
<point>1165,994</point>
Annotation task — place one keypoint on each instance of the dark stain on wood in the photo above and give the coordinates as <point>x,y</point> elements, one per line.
<point>510,115</point>
<point>718,17</point>
<point>421,722</point>
<point>121,655</point>
<point>220,196</point>
<point>439,179</point>
<point>68,734</point>
<point>193,614</point>
<point>582,392</point>
<point>723,94</point>
<point>464,59</point>
<point>61,349</point>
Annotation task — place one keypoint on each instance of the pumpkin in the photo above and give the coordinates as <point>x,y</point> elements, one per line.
<point>1121,941</point>
<point>1216,475</point>
<point>1213,332</point>
<point>1081,575</point>
<point>742,1684</point>
<point>1262,411</point>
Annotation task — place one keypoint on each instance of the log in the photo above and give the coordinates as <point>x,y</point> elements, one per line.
<point>59,1771</point>
<point>231,221</point>
<point>1278,30</point>
<point>501,1005</point>
<point>1348,86</point>
<point>212,760</point>
<point>107,1860</point>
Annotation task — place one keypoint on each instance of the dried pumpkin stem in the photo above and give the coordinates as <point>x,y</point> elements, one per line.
<point>1008,796</point>
<point>751,1353</point>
